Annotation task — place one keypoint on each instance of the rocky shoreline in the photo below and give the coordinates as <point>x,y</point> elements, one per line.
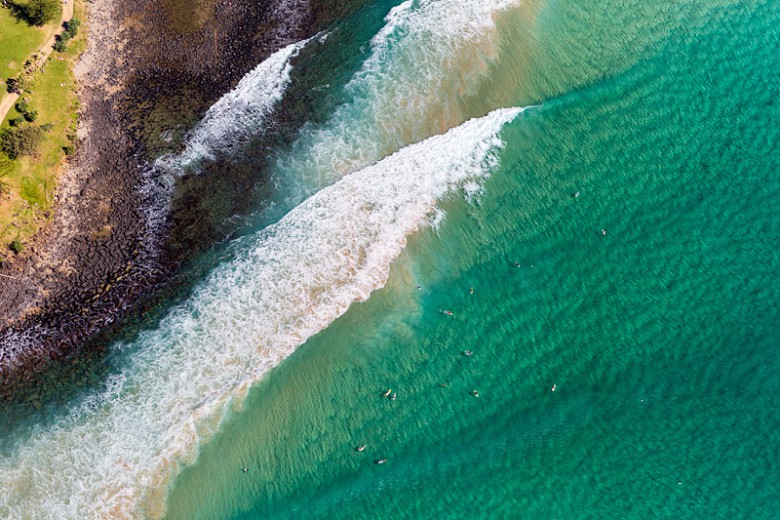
<point>150,70</point>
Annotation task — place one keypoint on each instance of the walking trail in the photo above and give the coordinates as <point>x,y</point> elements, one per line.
<point>43,55</point>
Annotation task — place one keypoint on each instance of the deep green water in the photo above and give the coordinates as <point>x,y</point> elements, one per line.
<point>662,336</point>
<point>649,301</point>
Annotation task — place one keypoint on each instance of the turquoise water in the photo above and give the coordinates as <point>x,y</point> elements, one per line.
<point>648,301</point>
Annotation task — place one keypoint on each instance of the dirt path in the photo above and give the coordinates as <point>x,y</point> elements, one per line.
<point>44,53</point>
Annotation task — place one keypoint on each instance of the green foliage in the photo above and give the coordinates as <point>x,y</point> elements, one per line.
<point>17,142</point>
<point>12,85</point>
<point>60,46</point>
<point>41,12</point>
<point>16,246</point>
<point>5,188</point>
<point>31,116</point>
<point>21,106</point>
<point>16,121</point>
<point>69,149</point>
<point>34,191</point>
<point>47,127</point>
<point>71,29</point>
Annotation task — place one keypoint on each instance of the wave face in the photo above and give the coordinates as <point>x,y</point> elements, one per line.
<point>425,62</point>
<point>124,445</point>
<point>238,115</point>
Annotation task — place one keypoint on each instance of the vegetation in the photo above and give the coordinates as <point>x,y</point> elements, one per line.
<point>19,142</point>
<point>40,12</point>
<point>71,29</point>
<point>5,188</point>
<point>16,246</point>
<point>17,42</point>
<point>29,181</point>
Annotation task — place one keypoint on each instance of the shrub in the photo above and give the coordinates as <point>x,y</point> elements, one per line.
<point>16,121</point>
<point>71,28</point>
<point>41,12</point>
<point>31,116</point>
<point>47,127</point>
<point>5,188</point>
<point>21,141</point>
<point>12,85</point>
<point>22,106</point>
<point>60,46</point>
<point>69,149</point>
<point>16,246</point>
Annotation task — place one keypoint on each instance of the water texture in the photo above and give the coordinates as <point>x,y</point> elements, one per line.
<point>607,257</point>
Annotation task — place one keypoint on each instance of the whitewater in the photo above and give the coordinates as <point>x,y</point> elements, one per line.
<point>379,170</point>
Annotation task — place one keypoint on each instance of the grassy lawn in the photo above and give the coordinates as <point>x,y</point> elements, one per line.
<point>17,42</point>
<point>32,180</point>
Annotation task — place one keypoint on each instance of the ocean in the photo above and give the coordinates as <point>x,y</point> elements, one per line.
<point>548,228</point>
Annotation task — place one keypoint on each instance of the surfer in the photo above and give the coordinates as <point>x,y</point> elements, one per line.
<point>389,391</point>
<point>381,461</point>
<point>448,313</point>
<point>467,353</point>
<point>361,447</point>
<point>475,393</point>
<point>392,397</point>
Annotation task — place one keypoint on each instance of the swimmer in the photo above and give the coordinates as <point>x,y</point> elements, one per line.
<point>392,397</point>
<point>246,470</point>
<point>467,353</point>
<point>575,194</point>
<point>604,232</point>
<point>471,291</point>
<point>381,461</point>
<point>475,393</point>
<point>553,388</point>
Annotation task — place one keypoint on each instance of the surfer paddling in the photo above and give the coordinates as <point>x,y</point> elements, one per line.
<point>447,313</point>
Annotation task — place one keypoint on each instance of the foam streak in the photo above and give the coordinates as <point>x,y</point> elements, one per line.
<point>116,454</point>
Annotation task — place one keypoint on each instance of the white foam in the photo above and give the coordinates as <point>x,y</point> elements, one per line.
<point>115,454</point>
<point>424,63</point>
<point>240,113</point>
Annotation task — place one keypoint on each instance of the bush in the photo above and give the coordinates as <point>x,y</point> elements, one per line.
<point>16,121</point>
<point>12,85</point>
<point>41,12</point>
<point>47,127</point>
<point>69,149</point>
<point>16,246</point>
<point>71,28</point>
<point>22,141</point>
<point>31,116</point>
<point>22,106</point>
<point>60,46</point>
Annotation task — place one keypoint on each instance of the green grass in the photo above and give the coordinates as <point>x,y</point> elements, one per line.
<point>33,180</point>
<point>17,43</point>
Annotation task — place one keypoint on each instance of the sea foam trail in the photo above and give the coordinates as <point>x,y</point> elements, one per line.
<point>115,454</point>
<point>423,65</point>
<point>237,115</point>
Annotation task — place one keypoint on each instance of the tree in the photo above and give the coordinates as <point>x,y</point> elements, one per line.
<point>41,12</point>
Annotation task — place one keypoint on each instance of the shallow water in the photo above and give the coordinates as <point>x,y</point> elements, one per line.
<point>647,301</point>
